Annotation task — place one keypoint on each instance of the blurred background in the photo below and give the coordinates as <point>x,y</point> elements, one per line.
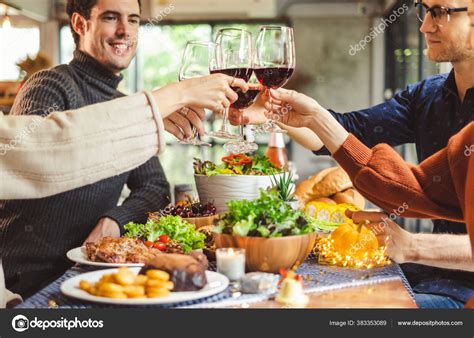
<point>34,34</point>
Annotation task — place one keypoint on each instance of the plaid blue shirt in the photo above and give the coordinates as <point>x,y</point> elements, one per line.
<point>428,114</point>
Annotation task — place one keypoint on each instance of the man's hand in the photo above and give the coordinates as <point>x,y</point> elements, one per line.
<point>180,123</point>
<point>399,241</point>
<point>106,227</point>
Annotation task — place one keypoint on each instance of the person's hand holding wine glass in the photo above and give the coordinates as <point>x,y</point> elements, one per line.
<point>293,109</point>
<point>195,64</point>
<point>234,57</point>
<point>201,91</point>
<point>274,63</point>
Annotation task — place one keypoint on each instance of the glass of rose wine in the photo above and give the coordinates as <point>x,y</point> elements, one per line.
<point>274,63</point>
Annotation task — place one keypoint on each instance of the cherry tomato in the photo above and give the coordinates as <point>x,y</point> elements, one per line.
<point>160,246</point>
<point>164,239</point>
<point>237,159</point>
<point>148,244</point>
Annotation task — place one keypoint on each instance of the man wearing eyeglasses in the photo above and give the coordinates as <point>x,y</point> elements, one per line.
<point>427,113</point>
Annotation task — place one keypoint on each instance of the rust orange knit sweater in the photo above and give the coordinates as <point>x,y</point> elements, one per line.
<point>442,186</point>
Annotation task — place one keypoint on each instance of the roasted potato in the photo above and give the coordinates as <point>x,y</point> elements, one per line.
<point>125,284</point>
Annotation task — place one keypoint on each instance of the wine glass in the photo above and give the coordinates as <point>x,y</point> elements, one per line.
<point>195,63</point>
<point>233,57</point>
<point>245,100</point>
<point>274,63</point>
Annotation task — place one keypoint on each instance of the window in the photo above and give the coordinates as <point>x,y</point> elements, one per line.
<point>17,44</point>
<point>160,50</point>
<point>67,46</point>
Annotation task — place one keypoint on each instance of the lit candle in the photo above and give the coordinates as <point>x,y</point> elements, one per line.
<point>231,263</point>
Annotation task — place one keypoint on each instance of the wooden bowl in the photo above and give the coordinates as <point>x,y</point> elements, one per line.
<point>202,221</point>
<point>270,254</point>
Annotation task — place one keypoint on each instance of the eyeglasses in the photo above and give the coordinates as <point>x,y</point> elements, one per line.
<point>440,14</point>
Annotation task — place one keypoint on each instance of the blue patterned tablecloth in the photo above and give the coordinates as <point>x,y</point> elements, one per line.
<point>317,278</point>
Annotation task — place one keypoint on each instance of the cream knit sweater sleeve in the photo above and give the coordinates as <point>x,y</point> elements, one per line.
<point>42,156</point>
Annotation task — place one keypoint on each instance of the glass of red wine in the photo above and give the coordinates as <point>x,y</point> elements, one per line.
<point>274,63</point>
<point>244,101</point>
<point>233,57</point>
<point>195,63</point>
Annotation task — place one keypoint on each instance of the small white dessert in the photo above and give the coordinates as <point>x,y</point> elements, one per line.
<point>291,292</point>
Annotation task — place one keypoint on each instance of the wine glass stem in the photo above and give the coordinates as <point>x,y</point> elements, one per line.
<point>241,126</point>
<point>270,119</point>
<point>224,120</point>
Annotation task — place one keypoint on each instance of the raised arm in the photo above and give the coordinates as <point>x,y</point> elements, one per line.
<point>42,156</point>
<point>53,151</point>
<point>390,122</point>
<point>379,173</point>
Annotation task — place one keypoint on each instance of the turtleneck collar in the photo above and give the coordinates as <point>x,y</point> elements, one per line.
<point>95,69</point>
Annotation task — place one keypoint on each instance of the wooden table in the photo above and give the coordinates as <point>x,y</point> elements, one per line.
<point>383,295</point>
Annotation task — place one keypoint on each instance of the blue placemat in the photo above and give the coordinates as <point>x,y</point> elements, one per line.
<point>317,278</point>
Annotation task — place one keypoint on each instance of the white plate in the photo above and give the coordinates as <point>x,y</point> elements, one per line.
<point>79,255</point>
<point>216,283</point>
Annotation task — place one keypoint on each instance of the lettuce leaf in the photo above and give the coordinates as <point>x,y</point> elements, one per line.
<point>260,166</point>
<point>267,216</point>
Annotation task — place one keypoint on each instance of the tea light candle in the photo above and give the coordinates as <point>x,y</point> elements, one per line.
<point>231,263</point>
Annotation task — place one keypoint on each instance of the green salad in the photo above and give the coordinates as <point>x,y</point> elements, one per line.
<point>267,216</point>
<point>237,164</point>
<point>175,227</point>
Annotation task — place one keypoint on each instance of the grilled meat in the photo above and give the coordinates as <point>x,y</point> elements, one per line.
<point>188,272</point>
<point>119,250</point>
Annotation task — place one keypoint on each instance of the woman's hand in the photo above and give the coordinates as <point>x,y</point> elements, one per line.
<point>292,108</point>
<point>285,106</point>
<point>212,92</point>
<point>297,110</point>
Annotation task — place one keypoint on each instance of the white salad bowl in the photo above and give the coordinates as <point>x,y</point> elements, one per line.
<point>220,189</point>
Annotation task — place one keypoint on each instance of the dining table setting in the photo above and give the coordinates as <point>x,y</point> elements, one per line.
<point>326,287</point>
<point>253,238</point>
<point>264,168</point>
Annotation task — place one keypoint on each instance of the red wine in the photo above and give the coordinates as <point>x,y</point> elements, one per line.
<point>245,100</point>
<point>274,77</point>
<point>241,73</point>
